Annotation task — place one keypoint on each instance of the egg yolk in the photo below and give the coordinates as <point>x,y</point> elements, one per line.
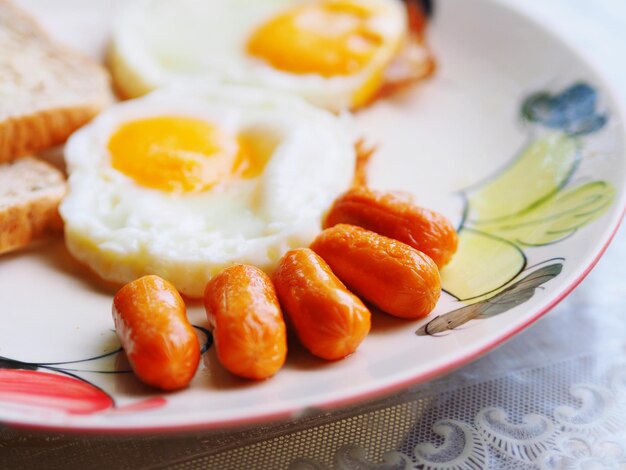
<point>327,38</point>
<point>181,154</point>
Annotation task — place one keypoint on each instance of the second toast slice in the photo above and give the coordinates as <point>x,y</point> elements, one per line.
<point>46,90</point>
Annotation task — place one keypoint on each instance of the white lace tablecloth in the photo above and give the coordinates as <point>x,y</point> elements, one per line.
<point>554,397</point>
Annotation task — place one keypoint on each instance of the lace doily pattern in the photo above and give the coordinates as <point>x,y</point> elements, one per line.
<point>570,415</point>
<point>582,427</point>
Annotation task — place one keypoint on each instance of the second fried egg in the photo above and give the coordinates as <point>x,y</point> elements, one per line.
<point>332,52</point>
<point>182,183</point>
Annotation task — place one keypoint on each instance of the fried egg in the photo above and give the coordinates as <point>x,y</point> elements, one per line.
<point>331,52</point>
<point>184,182</point>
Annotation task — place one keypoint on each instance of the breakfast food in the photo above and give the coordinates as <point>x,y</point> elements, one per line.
<point>394,217</point>
<point>151,323</point>
<point>391,275</point>
<point>30,192</point>
<point>329,320</point>
<point>247,322</point>
<point>199,181</point>
<point>47,91</point>
<point>334,53</point>
<point>185,182</point>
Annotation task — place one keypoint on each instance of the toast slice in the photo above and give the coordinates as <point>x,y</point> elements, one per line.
<point>46,90</point>
<point>30,193</point>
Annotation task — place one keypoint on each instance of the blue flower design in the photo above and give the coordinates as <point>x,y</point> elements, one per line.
<point>573,110</point>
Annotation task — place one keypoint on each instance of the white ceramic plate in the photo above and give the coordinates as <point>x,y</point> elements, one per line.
<point>515,138</point>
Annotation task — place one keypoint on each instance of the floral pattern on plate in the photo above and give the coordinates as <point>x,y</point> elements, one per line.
<point>533,202</point>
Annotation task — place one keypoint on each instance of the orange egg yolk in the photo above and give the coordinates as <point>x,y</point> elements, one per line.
<point>181,154</point>
<point>327,38</point>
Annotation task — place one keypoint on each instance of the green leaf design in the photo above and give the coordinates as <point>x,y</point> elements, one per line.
<point>538,173</point>
<point>482,264</point>
<point>556,218</point>
<point>514,295</point>
<point>531,202</point>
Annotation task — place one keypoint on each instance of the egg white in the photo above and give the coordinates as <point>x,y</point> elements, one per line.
<point>159,42</point>
<point>123,230</point>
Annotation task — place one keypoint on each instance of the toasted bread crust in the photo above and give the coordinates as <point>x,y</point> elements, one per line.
<point>29,204</point>
<point>47,90</point>
<point>30,134</point>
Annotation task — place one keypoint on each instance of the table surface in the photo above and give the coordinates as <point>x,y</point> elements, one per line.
<point>552,397</point>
